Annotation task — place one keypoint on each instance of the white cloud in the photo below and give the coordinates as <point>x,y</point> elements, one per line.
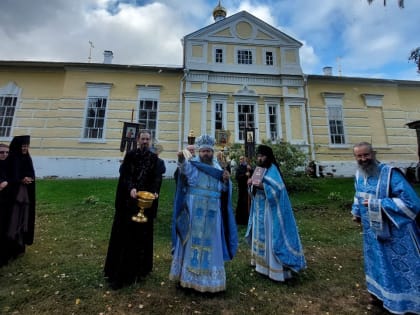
<point>370,40</point>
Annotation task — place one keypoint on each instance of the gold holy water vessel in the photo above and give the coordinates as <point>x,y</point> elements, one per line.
<point>144,201</point>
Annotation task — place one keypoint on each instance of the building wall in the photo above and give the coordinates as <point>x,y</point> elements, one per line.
<point>51,108</point>
<point>53,97</point>
<point>381,121</point>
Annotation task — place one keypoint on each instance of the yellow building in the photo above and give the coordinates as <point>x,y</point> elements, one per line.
<point>239,74</point>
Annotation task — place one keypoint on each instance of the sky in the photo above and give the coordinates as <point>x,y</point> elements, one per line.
<point>354,38</point>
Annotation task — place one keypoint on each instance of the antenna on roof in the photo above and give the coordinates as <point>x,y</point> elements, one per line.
<point>90,51</point>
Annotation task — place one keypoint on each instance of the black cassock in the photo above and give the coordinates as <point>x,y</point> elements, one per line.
<point>130,251</point>
<point>20,198</point>
<point>242,207</point>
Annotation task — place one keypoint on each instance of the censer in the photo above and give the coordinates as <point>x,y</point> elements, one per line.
<point>144,201</point>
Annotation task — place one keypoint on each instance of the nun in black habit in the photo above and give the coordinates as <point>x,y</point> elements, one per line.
<point>21,192</point>
<point>4,206</point>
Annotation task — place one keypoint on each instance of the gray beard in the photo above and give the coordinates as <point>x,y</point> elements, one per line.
<point>371,170</point>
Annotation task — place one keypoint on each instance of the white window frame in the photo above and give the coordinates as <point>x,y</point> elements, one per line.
<point>264,57</point>
<point>251,50</point>
<point>276,106</point>
<point>254,106</point>
<point>334,101</point>
<point>96,91</point>
<point>223,49</point>
<point>10,90</point>
<point>149,94</point>
<point>341,135</point>
<point>214,103</point>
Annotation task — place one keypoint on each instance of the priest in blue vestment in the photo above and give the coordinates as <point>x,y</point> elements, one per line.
<point>387,207</point>
<point>276,250</point>
<point>204,233</point>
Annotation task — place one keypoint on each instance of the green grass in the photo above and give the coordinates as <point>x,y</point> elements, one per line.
<point>61,273</point>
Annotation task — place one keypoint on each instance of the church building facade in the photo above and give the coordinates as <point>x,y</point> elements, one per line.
<point>238,74</point>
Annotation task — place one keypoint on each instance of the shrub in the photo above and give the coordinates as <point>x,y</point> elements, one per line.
<point>291,161</point>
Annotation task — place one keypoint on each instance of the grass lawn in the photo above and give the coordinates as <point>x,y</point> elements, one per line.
<point>61,273</point>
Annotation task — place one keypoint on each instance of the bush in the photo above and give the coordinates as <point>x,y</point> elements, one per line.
<point>291,161</point>
<point>299,184</point>
<point>289,157</point>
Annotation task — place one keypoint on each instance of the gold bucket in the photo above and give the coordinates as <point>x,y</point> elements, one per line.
<point>144,201</point>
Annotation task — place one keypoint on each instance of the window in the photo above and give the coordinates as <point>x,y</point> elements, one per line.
<point>148,115</point>
<point>269,61</point>
<point>272,122</point>
<point>244,57</point>
<point>95,115</point>
<point>148,100</point>
<point>218,116</point>
<point>336,125</point>
<point>219,55</point>
<point>95,118</point>
<point>7,112</point>
<point>334,107</point>
<point>246,119</point>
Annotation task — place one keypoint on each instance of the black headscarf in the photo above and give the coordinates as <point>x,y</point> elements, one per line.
<point>21,164</point>
<point>15,147</point>
<point>268,152</point>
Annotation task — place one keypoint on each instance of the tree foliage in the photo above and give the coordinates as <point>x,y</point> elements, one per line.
<point>400,3</point>
<point>289,157</point>
<point>415,57</point>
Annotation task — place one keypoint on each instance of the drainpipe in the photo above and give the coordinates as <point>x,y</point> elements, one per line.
<point>181,91</point>
<point>311,135</point>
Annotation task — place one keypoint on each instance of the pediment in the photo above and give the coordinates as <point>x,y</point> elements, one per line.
<point>10,88</point>
<point>243,27</point>
<point>224,32</point>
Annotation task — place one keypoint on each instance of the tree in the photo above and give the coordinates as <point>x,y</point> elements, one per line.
<point>415,56</point>
<point>400,3</point>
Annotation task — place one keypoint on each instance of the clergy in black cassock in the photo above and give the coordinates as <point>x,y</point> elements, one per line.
<point>130,251</point>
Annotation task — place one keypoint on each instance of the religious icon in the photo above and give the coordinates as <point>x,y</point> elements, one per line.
<point>131,132</point>
<point>129,136</point>
<point>250,137</point>
<point>249,142</point>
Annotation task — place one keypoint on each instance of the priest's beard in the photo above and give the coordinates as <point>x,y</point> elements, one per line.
<point>264,163</point>
<point>369,168</point>
<point>207,159</point>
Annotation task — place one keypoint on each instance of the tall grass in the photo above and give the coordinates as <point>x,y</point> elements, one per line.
<point>61,273</point>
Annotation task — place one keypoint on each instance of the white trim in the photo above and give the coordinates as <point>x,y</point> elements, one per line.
<point>224,56</point>
<point>11,89</point>
<point>245,48</point>
<point>96,90</point>
<point>191,58</point>
<point>276,104</point>
<point>287,105</point>
<point>401,205</point>
<point>203,122</point>
<point>241,100</point>
<point>264,57</point>
<point>149,93</point>
<point>334,100</point>
<point>373,100</point>
<point>213,112</point>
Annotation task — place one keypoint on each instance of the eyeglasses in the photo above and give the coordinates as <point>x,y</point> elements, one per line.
<point>4,152</point>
